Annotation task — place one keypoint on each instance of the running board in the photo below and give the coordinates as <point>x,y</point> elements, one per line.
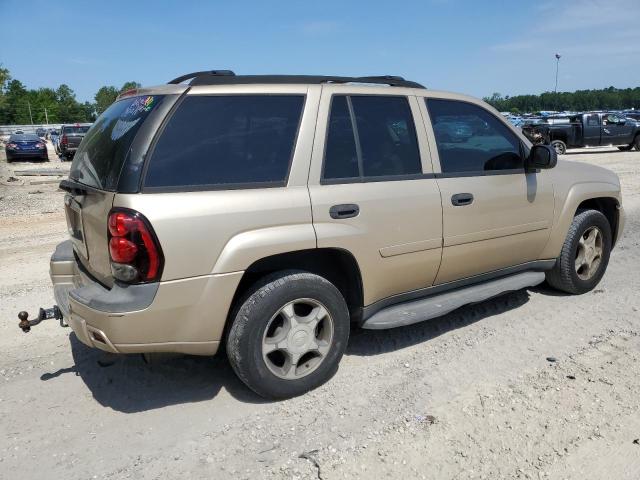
<point>437,305</point>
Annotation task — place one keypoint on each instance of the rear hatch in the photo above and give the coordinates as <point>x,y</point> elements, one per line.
<point>74,134</point>
<point>108,161</point>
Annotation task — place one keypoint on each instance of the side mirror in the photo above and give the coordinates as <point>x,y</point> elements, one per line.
<point>541,156</point>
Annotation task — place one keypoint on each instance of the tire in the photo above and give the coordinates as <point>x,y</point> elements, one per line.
<point>559,146</point>
<point>9,159</point>
<point>260,324</point>
<point>564,275</point>
<point>636,142</point>
<point>625,148</point>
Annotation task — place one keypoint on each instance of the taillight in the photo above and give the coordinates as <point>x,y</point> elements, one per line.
<point>12,145</point>
<point>64,140</point>
<point>133,247</point>
<point>39,145</point>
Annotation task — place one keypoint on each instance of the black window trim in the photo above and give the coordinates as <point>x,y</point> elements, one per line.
<point>354,127</point>
<point>220,186</point>
<point>524,151</point>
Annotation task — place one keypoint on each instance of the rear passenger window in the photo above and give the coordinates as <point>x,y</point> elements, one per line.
<point>227,140</point>
<point>370,137</point>
<point>470,139</point>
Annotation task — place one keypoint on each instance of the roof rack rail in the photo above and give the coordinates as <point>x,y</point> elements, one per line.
<point>182,78</point>
<point>217,78</point>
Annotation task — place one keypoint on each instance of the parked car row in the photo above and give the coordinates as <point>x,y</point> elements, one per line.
<point>65,142</point>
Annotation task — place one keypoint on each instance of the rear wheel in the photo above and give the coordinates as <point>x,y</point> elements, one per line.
<point>636,142</point>
<point>585,254</point>
<point>625,148</point>
<point>559,146</point>
<point>289,334</point>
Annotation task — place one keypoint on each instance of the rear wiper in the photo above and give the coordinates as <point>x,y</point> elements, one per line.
<point>73,187</point>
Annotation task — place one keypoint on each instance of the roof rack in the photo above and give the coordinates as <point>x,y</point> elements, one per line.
<point>227,77</point>
<point>182,78</point>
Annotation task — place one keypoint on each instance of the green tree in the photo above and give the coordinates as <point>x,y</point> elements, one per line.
<point>69,110</point>
<point>129,86</point>
<point>105,97</point>
<point>16,103</point>
<point>4,79</point>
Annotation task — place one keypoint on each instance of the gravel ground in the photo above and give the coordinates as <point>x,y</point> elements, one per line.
<point>532,384</point>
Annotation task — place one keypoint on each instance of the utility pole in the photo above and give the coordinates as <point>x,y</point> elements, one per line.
<point>30,116</point>
<point>46,116</point>
<point>557,65</point>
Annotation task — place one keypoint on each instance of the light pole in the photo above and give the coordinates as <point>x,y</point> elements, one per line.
<point>557,65</point>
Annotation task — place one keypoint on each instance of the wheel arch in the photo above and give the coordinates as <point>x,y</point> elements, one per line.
<point>601,196</point>
<point>608,206</point>
<point>337,265</point>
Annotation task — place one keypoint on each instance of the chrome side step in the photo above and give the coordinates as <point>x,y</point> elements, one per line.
<point>437,305</point>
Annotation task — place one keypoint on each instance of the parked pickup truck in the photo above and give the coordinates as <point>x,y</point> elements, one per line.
<point>70,138</point>
<point>587,130</point>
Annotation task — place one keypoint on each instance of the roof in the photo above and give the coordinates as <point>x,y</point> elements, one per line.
<point>227,77</point>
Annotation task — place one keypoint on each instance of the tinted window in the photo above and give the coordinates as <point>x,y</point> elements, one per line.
<point>103,150</point>
<point>470,139</point>
<point>24,138</point>
<point>341,157</point>
<point>384,141</point>
<point>79,129</point>
<point>593,121</point>
<point>226,140</point>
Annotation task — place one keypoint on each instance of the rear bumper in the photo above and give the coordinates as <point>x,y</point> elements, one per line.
<point>186,316</point>
<point>26,154</point>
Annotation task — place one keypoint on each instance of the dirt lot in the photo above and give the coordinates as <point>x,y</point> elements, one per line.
<point>470,395</point>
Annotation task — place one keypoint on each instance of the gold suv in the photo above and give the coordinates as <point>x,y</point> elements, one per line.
<point>272,213</point>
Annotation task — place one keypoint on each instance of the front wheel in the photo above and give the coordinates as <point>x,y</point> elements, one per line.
<point>559,146</point>
<point>289,334</point>
<point>585,254</point>
<point>636,142</point>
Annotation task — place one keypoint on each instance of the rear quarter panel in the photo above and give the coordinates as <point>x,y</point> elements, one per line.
<point>222,231</point>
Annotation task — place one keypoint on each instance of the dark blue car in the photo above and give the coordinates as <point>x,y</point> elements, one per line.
<point>25,146</point>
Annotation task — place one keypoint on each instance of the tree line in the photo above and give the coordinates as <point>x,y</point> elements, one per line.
<point>22,106</point>
<point>579,101</point>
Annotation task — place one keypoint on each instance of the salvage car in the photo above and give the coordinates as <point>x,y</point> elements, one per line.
<point>70,138</point>
<point>271,214</point>
<point>22,146</point>
<point>588,130</point>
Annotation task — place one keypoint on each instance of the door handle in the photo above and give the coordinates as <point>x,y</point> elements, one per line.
<point>346,210</point>
<point>462,199</point>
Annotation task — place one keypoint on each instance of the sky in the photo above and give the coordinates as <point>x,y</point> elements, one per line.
<point>472,47</point>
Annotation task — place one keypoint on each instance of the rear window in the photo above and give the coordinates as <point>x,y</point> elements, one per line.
<point>100,156</point>
<point>82,129</point>
<point>226,141</point>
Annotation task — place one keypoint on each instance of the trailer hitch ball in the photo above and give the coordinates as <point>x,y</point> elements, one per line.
<point>24,324</point>
<point>43,314</point>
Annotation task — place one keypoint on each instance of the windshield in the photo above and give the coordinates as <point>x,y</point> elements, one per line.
<point>101,154</point>
<point>81,129</point>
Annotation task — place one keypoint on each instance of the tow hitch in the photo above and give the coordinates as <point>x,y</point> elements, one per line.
<point>44,314</point>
